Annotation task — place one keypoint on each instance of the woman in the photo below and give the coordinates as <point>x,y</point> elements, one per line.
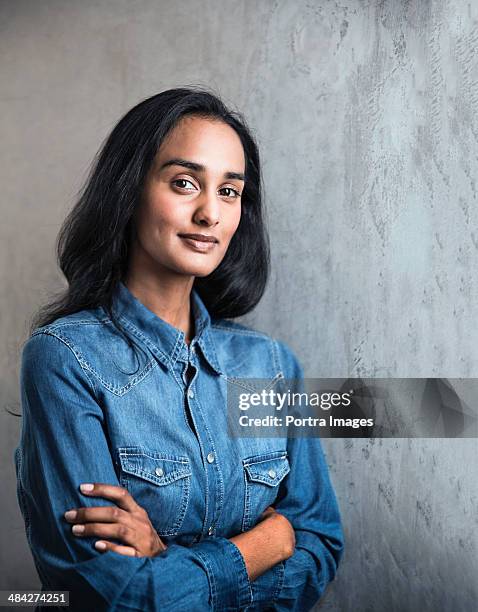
<point>134,496</point>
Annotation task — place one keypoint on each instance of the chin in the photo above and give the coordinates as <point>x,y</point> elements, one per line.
<point>191,270</point>
<point>201,274</point>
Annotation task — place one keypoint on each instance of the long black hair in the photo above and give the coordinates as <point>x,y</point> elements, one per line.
<point>94,241</point>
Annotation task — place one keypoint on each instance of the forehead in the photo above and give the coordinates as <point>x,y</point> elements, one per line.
<point>208,141</point>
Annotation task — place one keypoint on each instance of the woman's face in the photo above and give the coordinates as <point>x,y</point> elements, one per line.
<point>192,187</point>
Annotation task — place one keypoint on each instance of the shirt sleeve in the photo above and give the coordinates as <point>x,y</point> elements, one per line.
<point>306,497</point>
<point>63,444</point>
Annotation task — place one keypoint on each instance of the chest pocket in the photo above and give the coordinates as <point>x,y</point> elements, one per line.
<point>262,477</point>
<point>160,483</point>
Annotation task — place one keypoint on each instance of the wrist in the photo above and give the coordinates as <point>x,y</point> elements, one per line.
<point>280,524</point>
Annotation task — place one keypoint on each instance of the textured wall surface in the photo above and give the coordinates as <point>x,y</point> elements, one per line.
<point>366,116</point>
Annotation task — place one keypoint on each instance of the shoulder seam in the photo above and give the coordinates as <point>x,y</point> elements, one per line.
<point>94,376</point>
<point>244,332</point>
<point>287,352</point>
<point>275,353</point>
<point>53,326</point>
<point>81,362</point>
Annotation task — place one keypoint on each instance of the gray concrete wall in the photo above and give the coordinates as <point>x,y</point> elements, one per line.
<point>366,115</point>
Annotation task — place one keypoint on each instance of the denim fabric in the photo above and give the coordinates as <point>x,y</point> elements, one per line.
<point>92,413</point>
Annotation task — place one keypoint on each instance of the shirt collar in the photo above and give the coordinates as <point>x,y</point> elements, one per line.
<point>166,342</point>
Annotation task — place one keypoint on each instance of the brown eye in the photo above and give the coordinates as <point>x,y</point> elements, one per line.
<point>182,181</point>
<point>234,193</point>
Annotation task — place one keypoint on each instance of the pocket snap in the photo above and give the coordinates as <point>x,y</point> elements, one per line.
<point>160,483</point>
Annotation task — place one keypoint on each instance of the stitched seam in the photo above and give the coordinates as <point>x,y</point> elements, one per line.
<point>178,382</point>
<point>211,352</point>
<point>186,485</point>
<point>133,329</point>
<point>161,458</point>
<point>206,471</point>
<point>137,379</point>
<point>87,367</point>
<point>244,332</point>
<point>83,364</point>
<point>262,479</point>
<point>211,577</point>
<point>176,350</point>
<point>275,356</point>
<point>280,582</point>
<point>220,499</point>
<point>54,326</point>
<point>239,383</point>
<point>238,556</point>
<point>22,496</point>
<point>265,458</point>
<point>182,480</point>
<point>126,452</point>
<point>172,477</point>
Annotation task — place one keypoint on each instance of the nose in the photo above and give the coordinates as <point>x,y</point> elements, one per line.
<point>208,209</point>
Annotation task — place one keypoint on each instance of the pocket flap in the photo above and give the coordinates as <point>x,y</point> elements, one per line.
<point>266,469</point>
<point>158,468</point>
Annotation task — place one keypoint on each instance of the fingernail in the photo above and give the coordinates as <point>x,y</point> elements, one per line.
<point>78,528</point>
<point>86,487</point>
<point>70,515</point>
<point>100,545</point>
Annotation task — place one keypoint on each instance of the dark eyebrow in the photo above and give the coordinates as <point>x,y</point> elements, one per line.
<point>177,161</point>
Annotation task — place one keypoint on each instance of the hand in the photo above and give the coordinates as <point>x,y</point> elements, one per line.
<point>127,522</point>
<point>283,529</point>
<point>270,541</point>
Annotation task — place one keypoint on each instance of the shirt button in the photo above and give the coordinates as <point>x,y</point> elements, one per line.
<point>210,457</point>
<point>210,531</point>
<point>192,349</point>
<point>272,473</point>
<point>159,471</point>
<point>190,393</point>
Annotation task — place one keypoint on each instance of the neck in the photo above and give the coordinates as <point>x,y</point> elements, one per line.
<point>169,298</point>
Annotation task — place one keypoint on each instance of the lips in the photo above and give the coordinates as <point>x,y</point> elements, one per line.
<point>199,237</point>
<point>199,243</point>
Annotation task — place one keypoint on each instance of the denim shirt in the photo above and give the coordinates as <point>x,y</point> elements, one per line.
<point>90,414</point>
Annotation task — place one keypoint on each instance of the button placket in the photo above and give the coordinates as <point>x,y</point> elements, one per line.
<point>190,392</point>
<point>211,456</point>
